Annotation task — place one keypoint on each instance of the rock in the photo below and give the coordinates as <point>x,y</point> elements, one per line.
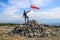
<point>32,29</point>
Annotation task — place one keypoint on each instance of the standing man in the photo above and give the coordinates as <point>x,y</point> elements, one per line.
<point>25,16</point>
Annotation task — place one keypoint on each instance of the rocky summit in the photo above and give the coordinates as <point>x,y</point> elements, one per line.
<point>32,29</point>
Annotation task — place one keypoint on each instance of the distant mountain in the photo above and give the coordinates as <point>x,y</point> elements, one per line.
<point>51,22</point>
<point>54,24</point>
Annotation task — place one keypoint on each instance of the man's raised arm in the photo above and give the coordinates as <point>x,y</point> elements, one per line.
<point>28,11</point>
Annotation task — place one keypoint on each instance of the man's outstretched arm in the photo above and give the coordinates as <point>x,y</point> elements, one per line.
<point>28,11</point>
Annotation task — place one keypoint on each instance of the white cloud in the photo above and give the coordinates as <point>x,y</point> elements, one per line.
<point>10,10</point>
<point>41,2</point>
<point>54,13</point>
<point>9,13</point>
<point>15,5</point>
<point>50,14</point>
<point>20,3</point>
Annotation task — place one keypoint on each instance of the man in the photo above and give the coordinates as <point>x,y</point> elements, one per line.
<point>25,15</point>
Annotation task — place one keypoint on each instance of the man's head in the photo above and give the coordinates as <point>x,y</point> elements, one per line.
<point>24,11</point>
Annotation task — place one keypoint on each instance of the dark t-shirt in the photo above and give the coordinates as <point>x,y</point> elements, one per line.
<point>24,14</point>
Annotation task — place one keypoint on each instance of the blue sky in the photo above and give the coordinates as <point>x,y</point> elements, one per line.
<point>12,10</point>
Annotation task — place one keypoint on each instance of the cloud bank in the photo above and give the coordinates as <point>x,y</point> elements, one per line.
<point>50,14</point>
<point>9,10</point>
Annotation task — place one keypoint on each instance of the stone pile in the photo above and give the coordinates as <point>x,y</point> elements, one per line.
<point>32,29</point>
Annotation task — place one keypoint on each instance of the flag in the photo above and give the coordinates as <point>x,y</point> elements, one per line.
<point>34,7</point>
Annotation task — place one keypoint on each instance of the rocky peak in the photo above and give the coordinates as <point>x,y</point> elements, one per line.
<point>32,29</point>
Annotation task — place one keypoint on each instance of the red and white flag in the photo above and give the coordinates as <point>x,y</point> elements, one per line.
<point>34,7</point>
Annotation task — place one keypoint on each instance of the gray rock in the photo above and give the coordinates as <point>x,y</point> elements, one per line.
<point>32,29</point>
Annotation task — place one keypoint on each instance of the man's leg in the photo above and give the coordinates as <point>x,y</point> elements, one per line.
<point>27,18</point>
